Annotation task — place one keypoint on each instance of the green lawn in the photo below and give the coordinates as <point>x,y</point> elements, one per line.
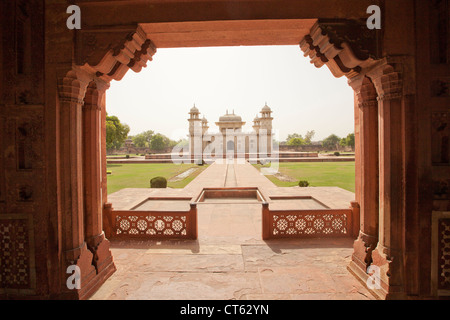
<point>318,174</point>
<point>138,175</point>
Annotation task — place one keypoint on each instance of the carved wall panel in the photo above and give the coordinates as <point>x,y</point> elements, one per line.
<point>23,184</point>
<point>444,254</point>
<point>8,61</point>
<point>440,33</point>
<point>441,189</point>
<point>23,53</point>
<point>440,146</point>
<point>17,266</point>
<point>25,138</point>
<point>440,253</point>
<point>2,165</point>
<point>441,138</point>
<point>440,88</point>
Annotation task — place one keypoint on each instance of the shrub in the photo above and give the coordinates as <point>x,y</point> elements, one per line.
<point>127,156</point>
<point>158,182</point>
<point>337,154</point>
<point>303,183</point>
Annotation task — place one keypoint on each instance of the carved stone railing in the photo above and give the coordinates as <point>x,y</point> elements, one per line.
<point>130,224</point>
<point>307,223</point>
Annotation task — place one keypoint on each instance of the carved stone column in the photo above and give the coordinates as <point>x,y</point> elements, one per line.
<point>367,150</point>
<point>388,255</point>
<point>71,92</point>
<point>92,176</point>
<point>103,158</point>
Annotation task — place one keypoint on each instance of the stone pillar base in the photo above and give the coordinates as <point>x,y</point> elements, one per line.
<point>362,250</point>
<point>391,273</point>
<point>364,257</point>
<point>95,266</point>
<point>99,246</point>
<point>361,275</point>
<point>103,262</point>
<point>106,271</point>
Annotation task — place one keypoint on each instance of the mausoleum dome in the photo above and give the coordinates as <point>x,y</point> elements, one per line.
<point>230,118</point>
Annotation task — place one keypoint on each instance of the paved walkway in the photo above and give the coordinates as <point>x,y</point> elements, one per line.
<point>245,175</point>
<point>229,260</point>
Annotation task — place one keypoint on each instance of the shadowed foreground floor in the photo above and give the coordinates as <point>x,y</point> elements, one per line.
<point>230,262</point>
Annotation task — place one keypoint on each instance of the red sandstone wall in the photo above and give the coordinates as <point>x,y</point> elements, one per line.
<point>24,218</point>
<point>33,189</point>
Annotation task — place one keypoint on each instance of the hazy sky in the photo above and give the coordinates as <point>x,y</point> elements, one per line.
<point>301,96</point>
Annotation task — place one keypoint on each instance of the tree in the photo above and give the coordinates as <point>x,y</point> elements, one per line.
<point>309,136</point>
<point>293,136</point>
<point>331,142</point>
<point>158,142</point>
<point>182,143</point>
<point>143,139</point>
<point>351,141</point>
<point>348,141</point>
<point>116,132</point>
<point>170,143</point>
<point>296,139</point>
<point>296,142</point>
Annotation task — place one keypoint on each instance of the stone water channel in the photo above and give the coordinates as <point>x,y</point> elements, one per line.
<point>183,175</point>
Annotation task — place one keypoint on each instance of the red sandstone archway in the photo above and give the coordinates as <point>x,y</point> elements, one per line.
<point>46,70</point>
<point>379,94</point>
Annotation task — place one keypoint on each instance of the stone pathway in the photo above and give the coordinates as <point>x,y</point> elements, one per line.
<point>230,180</point>
<point>229,260</point>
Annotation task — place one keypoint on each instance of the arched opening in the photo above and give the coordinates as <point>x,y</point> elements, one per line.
<point>230,146</point>
<point>318,46</point>
<point>48,212</point>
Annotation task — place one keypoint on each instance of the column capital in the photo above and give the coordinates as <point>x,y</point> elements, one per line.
<point>388,81</point>
<point>72,87</point>
<point>102,85</point>
<point>365,91</point>
<point>69,99</point>
<point>94,95</point>
<point>369,104</point>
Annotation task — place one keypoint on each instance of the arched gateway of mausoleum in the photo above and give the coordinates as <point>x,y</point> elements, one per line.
<point>53,197</point>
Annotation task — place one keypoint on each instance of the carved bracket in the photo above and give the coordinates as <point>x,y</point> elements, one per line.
<point>344,46</point>
<point>110,55</point>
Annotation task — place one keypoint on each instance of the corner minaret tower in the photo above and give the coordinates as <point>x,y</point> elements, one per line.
<point>205,126</point>
<point>266,118</point>
<point>265,122</point>
<point>194,119</point>
<point>256,124</point>
<point>195,133</point>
